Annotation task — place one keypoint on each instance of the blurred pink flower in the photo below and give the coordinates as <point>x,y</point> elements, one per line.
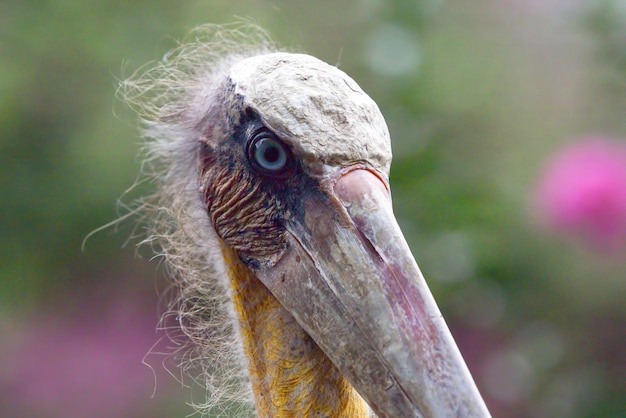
<point>86,366</point>
<point>583,191</point>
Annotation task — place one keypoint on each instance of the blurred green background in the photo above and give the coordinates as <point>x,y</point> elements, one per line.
<point>478,96</point>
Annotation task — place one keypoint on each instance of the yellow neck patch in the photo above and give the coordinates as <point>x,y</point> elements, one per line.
<point>289,373</point>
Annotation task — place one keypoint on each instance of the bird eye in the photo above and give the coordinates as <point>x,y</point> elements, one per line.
<point>268,154</point>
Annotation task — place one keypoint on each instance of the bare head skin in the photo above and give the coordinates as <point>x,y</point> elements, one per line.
<point>274,214</point>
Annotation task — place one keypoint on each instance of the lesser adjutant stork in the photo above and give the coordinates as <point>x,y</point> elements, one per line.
<point>274,215</point>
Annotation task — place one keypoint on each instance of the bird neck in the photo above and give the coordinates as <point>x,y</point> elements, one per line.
<point>289,373</point>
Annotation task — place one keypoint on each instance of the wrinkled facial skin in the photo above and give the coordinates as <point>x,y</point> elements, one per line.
<point>248,210</point>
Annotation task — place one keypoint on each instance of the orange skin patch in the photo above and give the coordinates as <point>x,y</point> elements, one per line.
<point>289,373</point>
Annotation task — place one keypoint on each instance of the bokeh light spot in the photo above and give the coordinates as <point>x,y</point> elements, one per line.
<point>392,50</point>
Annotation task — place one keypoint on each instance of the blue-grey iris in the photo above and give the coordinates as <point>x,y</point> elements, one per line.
<point>269,154</point>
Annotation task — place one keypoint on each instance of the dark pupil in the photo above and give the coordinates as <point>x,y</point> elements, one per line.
<point>271,154</point>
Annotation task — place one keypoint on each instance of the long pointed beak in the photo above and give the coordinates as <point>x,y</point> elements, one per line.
<point>350,280</point>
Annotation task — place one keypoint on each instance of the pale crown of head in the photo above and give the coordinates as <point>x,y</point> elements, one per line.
<point>322,112</point>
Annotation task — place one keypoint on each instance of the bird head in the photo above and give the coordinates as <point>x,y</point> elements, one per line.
<point>284,160</point>
<point>294,175</point>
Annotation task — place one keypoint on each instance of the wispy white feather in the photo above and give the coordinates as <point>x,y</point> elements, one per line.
<point>172,98</point>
